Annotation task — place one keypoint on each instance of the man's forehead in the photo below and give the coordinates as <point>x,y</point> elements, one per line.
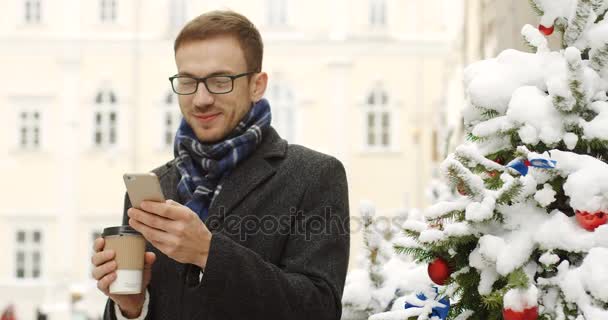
<point>210,56</point>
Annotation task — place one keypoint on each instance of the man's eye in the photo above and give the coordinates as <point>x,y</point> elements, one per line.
<point>186,81</point>
<point>222,80</point>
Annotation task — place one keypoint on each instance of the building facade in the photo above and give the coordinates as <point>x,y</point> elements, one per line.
<point>85,98</point>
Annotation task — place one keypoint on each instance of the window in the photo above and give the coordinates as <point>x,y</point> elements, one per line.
<point>276,12</point>
<point>281,99</point>
<point>170,117</point>
<point>28,254</point>
<point>107,10</point>
<point>29,129</point>
<point>377,13</point>
<point>32,11</point>
<point>378,120</point>
<point>105,119</point>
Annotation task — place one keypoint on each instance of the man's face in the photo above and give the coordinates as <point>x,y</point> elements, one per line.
<point>214,116</point>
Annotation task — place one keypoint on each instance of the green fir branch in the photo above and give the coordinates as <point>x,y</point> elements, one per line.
<point>411,233</point>
<point>419,254</point>
<point>528,45</point>
<point>508,194</point>
<point>473,138</point>
<point>563,104</point>
<point>599,58</point>
<point>518,279</point>
<point>597,5</point>
<point>488,114</point>
<point>456,173</point>
<point>577,25</point>
<point>453,215</point>
<point>561,24</point>
<point>494,183</point>
<point>453,242</point>
<point>536,7</point>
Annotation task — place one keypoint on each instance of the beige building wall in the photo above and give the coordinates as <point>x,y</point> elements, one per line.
<point>326,53</point>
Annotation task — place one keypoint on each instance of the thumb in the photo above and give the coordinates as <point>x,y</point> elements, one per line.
<point>173,203</point>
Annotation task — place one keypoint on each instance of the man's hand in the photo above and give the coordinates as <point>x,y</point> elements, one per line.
<point>104,272</point>
<point>174,229</point>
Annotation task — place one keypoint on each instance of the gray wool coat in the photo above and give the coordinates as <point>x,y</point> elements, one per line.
<point>280,243</point>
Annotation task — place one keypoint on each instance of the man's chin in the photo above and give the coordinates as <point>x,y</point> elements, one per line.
<point>209,136</point>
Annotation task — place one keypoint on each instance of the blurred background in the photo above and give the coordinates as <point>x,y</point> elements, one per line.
<point>84,98</point>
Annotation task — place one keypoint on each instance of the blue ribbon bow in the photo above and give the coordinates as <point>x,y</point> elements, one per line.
<point>521,166</point>
<point>441,312</point>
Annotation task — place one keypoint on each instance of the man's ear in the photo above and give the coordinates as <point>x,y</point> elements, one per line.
<point>257,86</point>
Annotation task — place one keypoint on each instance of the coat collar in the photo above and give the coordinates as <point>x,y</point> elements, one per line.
<point>245,177</point>
<point>248,174</point>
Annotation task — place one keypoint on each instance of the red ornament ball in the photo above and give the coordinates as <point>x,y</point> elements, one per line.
<point>590,221</point>
<point>439,271</point>
<point>527,314</point>
<point>546,30</point>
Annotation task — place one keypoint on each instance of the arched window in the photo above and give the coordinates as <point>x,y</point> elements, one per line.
<point>170,118</point>
<point>282,102</point>
<point>105,119</point>
<point>378,120</point>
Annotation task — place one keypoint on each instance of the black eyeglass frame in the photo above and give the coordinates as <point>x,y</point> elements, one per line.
<point>204,81</point>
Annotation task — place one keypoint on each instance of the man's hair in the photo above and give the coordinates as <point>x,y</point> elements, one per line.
<point>230,23</point>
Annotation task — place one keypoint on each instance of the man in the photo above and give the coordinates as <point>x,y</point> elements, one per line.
<point>256,228</point>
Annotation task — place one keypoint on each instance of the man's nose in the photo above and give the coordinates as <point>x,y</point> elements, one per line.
<point>202,96</point>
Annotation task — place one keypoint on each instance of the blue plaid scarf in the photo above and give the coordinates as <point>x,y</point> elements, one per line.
<point>203,165</point>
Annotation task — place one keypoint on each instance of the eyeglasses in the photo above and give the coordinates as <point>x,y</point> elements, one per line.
<point>185,85</point>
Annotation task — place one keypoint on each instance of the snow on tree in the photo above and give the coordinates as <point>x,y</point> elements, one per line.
<point>381,275</point>
<point>527,238</point>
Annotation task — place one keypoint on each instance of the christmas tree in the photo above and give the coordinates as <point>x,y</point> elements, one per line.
<point>527,237</point>
<point>381,275</point>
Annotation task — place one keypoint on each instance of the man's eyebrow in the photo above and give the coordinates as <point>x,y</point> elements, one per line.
<point>185,74</point>
<point>221,73</point>
<point>216,73</point>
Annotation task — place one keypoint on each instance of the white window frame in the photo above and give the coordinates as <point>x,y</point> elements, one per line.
<point>168,109</point>
<point>378,104</point>
<point>29,129</point>
<point>377,14</point>
<point>32,11</point>
<point>105,105</point>
<point>29,249</point>
<point>284,109</point>
<point>277,12</point>
<point>108,11</point>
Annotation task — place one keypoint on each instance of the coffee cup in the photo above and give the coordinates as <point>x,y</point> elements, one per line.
<point>130,247</point>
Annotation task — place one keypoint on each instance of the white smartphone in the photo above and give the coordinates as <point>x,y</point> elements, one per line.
<point>143,186</point>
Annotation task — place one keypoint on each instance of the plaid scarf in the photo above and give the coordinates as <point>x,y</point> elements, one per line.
<point>203,165</point>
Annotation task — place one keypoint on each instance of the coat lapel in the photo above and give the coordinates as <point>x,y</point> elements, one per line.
<point>247,175</point>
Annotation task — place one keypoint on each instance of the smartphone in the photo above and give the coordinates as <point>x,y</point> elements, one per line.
<point>143,186</point>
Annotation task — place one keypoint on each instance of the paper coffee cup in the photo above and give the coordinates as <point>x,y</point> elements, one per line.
<point>130,247</point>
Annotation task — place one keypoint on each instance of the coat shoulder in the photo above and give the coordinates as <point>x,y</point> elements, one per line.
<point>163,170</point>
<point>304,157</point>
